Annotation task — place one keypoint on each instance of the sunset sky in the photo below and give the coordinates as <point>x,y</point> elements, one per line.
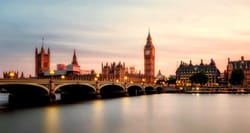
<point>116,30</point>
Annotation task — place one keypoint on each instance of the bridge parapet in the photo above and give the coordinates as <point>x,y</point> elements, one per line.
<point>57,82</point>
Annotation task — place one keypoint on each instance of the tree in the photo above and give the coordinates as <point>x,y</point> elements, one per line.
<point>200,77</point>
<point>237,77</point>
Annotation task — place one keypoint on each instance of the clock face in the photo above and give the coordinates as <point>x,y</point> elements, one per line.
<point>147,52</point>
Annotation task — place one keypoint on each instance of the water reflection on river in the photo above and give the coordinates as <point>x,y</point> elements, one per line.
<point>144,114</point>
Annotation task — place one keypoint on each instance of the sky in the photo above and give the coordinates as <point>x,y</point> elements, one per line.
<point>116,30</point>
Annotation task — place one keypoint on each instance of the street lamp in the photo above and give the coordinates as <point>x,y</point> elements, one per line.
<point>143,80</point>
<point>96,82</point>
<point>125,78</point>
<point>11,74</point>
<point>97,75</point>
<point>156,81</point>
<point>125,82</point>
<point>51,73</point>
<point>62,77</point>
<point>96,79</point>
<point>52,85</point>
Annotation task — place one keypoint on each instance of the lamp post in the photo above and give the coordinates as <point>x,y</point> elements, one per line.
<point>125,83</point>
<point>97,75</point>
<point>143,81</point>
<point>96,83</point>
<point>52,85</point>
<point>51,73</point>
<point>125,78</point>
<point>156,81</point>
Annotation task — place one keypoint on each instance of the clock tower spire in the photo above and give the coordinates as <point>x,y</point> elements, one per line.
<point>149,60</point>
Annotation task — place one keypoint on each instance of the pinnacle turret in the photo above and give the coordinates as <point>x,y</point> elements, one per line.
<point>149,41</point>
<point>74,60</point>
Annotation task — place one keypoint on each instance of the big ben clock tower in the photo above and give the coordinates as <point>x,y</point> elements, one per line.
<point>149,60</point>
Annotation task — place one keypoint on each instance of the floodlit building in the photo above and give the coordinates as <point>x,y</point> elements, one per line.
<point>70,71</point>
<point>42,61</point>
<point>185,71</point>
<point>113,71</point>
<point>239,64</point>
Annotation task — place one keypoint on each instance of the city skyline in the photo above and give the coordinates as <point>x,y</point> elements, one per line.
<point>117,31</point>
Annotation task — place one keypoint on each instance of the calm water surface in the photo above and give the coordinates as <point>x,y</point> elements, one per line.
<point>181,113</point>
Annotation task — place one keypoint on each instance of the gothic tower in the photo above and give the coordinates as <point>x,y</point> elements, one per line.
<point>74,60</point>
<point>42,61</point>
<point>74,68</point>
<point>149,60</point>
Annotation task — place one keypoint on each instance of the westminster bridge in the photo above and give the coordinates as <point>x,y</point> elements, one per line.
<point>43,90</point>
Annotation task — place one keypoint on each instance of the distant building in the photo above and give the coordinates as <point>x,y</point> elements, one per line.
<point>185,71</point>
<point>119,72</point>
<point>42,61</point>
<point>172,77</point>
<point>132,70</point>
<point>113,71</point>
<point>70,71</point>
<point>135,77</point>
<point>74,68</point>
<point>61,67</point>
<point>160,76</point>
<point>239,64</point>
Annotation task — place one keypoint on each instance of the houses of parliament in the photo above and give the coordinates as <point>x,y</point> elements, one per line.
<point>112,72</point>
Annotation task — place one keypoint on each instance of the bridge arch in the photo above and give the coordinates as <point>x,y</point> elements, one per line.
<point>150,90</point>
<point>24,88</point>
<point>159,89</point>
<point>58,87</point>
<point>26,93</point>
<point>112,90</point>
<point>79,91</point>
<point>135,90</point>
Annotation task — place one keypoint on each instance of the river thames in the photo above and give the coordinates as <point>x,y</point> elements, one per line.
<point>159,113</point>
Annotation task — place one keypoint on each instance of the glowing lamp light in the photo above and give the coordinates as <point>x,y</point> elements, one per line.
<point>62,77</point>
<point>126,78</point>
<point>51,72</point>
<point>97,75</point>
<point>12,74</point>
